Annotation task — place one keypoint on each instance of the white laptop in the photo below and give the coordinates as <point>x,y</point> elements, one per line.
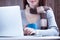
<point>10,21</point>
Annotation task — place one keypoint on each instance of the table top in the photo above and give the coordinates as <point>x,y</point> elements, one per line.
<point>29,37</point>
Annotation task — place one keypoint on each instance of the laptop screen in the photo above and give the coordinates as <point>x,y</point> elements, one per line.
<point>10,21</point>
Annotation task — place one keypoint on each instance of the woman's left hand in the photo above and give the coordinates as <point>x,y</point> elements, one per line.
<point>40,9</point>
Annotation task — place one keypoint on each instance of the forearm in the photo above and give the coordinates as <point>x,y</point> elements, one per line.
<point>48,32</point>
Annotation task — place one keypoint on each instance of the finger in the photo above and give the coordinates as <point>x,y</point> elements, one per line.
<point>28,32</point>
<point>27,7</point>
<point>40,9</point>
<point>25,30</point>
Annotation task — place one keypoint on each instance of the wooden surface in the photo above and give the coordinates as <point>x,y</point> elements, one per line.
<point>11,3</point>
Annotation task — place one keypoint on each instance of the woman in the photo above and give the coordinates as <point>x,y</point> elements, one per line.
<point>29,18</point>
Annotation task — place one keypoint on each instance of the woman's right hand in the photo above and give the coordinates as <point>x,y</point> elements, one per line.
<point>28,31</point>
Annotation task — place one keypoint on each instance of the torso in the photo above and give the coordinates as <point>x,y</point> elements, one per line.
<point>31,18</point>
<point>28,18</point>
<point>36,19</point>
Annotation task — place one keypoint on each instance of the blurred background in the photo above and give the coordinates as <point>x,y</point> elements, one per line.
<point>55,4</point>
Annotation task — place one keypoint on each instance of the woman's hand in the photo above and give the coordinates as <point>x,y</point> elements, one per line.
<point>28,31</point>
<point>40,9</point>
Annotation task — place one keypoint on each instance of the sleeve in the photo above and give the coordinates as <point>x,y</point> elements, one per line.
<point>52,26</point>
